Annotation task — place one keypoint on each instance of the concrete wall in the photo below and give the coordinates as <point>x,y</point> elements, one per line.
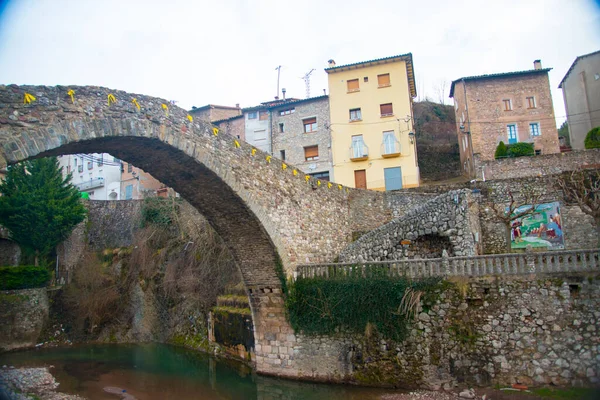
<point>536,330</point>
<point>23,314</point>
<point>258,130</point>
<point>581,94</point>
<point>293,139</point>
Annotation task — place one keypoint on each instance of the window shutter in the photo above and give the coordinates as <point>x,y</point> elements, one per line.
<point>383,80</point>
<point>312,151</point>
<point>386,109</point>
<point>352,85</point>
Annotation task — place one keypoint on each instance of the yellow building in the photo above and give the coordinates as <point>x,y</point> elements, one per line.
<point>372,137</point>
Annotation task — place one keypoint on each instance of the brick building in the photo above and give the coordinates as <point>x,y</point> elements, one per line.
<point>212,112</point>
<point>581,93</point>
<point>300,131</point>
<point>510,107</point>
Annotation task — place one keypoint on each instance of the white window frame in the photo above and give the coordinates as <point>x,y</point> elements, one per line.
<point>539,129</point>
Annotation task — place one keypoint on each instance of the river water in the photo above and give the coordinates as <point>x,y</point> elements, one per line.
<point>158,371</point>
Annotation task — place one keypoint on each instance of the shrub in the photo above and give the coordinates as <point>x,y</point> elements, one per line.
<point>520,149</point>
<point>501,151</point>
<point>592,139</point>
<point>23,277</point>
<point>351,303</point>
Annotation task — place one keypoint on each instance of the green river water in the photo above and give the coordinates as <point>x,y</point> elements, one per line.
<point>157,371</point>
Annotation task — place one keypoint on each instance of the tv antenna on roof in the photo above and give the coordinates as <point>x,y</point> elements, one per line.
<point>306,78</point>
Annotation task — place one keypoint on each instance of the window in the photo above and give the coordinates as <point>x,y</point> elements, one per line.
<point>355,114</point>
<point>101,160</point>
<point>386,110</point>
<point>263,116</point>
<point>538,153</point>
<point>310,125</point>
<point>129,168</point>
<point>80,168</point>
<point>353,85</point>
<point>252,115</point>
<point>390,144</point>
<point>75,162</point>
<point>287,112</point>
<point>281,128</point>
<point>366,79</point>
<point>383,80</point>
<point>90,164</point>
<point>128,192</point>
<point>311,153</point>
<point>534,129</point>
<point>282,154</point>
<point>507,104</point>
<point>512,133</point>
<point>359,148</point>
<point>68,169</point>
<point>531,102</point>
<point>321,175</point>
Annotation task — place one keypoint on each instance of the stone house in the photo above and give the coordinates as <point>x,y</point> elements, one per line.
<point>234,126</point>
<point>212,112</point>
<point>510,107</point>
<point>301,136</point>
<point>581,93</point>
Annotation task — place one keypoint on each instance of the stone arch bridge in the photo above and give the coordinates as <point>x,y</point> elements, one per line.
<point>261,208</point>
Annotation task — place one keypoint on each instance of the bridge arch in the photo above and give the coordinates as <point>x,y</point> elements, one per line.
<point>261,208</point>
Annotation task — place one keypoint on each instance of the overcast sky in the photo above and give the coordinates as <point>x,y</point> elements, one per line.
<point>225,52</point>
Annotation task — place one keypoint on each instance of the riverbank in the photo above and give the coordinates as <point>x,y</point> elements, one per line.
<point>30,383</point>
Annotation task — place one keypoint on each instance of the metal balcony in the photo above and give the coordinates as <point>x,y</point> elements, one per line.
<point>391,149</point>
<point>359,151</point>
<point>91,184</point>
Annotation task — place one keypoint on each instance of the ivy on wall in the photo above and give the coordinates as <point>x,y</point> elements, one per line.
<point>324,306</point>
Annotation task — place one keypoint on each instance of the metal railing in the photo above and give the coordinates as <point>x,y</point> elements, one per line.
<point>92,183</point>
<point>493,264</point>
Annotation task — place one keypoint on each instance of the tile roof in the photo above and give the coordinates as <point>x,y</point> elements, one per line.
<point>227,119</point>
<point>573,66</point>
<point>271,105</point>
<point>195,109</point>
<point>499,75</point>
<point>404,57</point>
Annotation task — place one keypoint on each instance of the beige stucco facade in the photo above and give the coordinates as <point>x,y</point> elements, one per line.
<point>385,105</point>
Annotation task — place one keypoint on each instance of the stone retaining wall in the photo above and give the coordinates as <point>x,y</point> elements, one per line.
<point>537,330</point>
<point>23,314</point>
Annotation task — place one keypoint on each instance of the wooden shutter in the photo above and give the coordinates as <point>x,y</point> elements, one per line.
<point>383,80</point>
<point>352,85</point>
<point>386,109</point>
<point>310,152</point>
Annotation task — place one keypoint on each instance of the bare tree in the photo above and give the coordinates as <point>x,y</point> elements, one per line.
<point>528,198</point>
<point>583,188</point>
<point>440,91</point>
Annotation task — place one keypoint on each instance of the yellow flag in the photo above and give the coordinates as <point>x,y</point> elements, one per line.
<point>28,98</point>
<point>268,158</point>
<point>71,93</point>
<point>295,172</point>
<point>135,103</point>
<point>340,187</point>
<point>306,178</point>
<point>216,131</point>
<point>329,185</point>
<point>236,143</point>
<point>283,166</point>
<point>253,151</point>
<point>318,183</point>
<point>111,99</point>
<point>190,118</point>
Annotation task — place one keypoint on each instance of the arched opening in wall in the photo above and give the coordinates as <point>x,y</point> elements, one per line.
<point>429,246</point>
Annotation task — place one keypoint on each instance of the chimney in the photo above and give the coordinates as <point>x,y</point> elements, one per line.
<point>324,92</point>
<point>237,105</point>
<point>283,92</point>
<point>537,64</point>
<point>331,63</point>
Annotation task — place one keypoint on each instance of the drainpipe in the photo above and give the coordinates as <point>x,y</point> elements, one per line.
<point>472,166</point>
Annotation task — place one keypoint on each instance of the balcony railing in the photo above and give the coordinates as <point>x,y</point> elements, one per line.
<point>390,149</point>
<point>359,151</point>
<point>493,264</point>
<point>91,184</point>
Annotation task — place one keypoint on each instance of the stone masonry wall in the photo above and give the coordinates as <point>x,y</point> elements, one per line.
<point>543,165</point>
<point>536,330</point>
<point>23,314</point>
<point>447,215</point>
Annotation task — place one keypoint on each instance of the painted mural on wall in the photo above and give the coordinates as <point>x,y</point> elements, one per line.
<point>542,229</point>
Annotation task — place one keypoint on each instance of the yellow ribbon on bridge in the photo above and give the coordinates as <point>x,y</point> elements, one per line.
<point>283,166</point>
<point>71,93</point>
<point>253,151</point>
<point>306,178</point>
<point>111,99</point>
<point>295,172</point>
<point>236,143</point>
<point>329,185</point>
<point>135,103</point>
<point>166,108</point>
<point>190,118</point>
<point>28,98</point>
<point>318,183</point>
<point>268,158</point>
<point>216,131</point>
<point>340,187</point>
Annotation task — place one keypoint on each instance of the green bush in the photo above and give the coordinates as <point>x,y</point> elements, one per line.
<point>501,151</point>
<point>23,277</point>
<point>592,139</point>
<point>349,303</point>
<point>520,149</point>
